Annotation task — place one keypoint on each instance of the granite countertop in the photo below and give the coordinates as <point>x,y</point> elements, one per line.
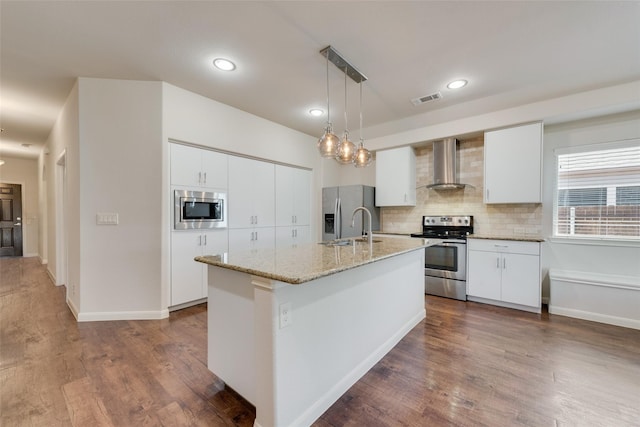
<point>532,238</point>
<point>306,262</point>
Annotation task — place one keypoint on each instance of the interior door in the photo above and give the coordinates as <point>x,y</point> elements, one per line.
<point>10,220</point>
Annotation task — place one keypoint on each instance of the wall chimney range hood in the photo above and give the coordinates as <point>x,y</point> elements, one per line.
<point>444,165</point>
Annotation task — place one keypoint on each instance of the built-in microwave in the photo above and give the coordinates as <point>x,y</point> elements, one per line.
<point>199,209</point>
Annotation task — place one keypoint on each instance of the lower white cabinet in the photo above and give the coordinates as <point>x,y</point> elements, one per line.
<point>292,236</point>
<point>504,272</point>
<point>242,239</point>
<point>188,277</point>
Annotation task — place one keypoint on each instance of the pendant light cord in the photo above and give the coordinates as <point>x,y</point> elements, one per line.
<point>346,126</point>
<point>328,103</point>
<point>361,112</point>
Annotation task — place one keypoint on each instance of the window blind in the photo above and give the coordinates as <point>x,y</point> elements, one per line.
<point>598,193</point>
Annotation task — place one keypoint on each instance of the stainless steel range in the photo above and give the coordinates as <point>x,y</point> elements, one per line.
<point>445,264</point>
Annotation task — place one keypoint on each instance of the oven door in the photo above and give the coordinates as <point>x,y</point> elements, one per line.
<point>447,260</point>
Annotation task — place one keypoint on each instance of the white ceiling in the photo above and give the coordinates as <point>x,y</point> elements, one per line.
<point>512,53</point>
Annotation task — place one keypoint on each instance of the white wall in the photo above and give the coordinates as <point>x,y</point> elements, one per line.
<point>334,174</point>
<point>588,258</point>
<point>25,173</point>
<point>120,168</point>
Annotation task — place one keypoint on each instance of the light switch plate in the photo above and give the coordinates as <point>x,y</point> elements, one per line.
<point>107,219</point>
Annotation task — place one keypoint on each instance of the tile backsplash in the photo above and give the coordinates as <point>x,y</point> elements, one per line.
<point>501,220</point>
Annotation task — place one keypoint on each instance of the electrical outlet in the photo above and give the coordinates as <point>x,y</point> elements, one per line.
<point>286,317</point>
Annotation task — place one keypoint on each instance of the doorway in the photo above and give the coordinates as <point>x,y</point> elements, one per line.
<point>10,220</point>
<point>61,219</point>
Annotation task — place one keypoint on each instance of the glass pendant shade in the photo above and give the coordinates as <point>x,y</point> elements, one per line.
<point>346,151</point>
<point>363,157</point>
<point>328,143</point>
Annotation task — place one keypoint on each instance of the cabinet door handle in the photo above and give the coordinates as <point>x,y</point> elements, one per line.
<point>295,232</point>
<point>504,263</point>
<point>256,221</point>
<point>200,240</point>
<point>205,177</point>
<point>498,262</point>
<point>256,235</point>
<point>205,240</point>
<point>199,177</point>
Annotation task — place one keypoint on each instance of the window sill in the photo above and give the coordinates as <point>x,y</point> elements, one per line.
<point>591,241</point>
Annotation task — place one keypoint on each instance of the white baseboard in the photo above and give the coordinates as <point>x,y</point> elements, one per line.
<point>43,261</point>
<point>73,308</point>
<point>122,315</point>
<point>595,317</point>
<point>187,304</point>
<point>51,276</point>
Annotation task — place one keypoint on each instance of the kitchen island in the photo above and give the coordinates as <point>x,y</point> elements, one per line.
<point>292,329</point>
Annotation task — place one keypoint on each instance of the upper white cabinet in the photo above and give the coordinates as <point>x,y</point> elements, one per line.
<point>195,167</point>
<point>251,195</point>
<point>396,177</point>
<point>505,272</point>
<point>293,189</point>
<point>513,165</point>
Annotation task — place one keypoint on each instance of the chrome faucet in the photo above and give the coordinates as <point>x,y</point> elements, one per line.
<point>353,221</point>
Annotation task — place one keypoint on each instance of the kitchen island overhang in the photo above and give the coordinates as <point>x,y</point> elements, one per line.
<point>292,329</point>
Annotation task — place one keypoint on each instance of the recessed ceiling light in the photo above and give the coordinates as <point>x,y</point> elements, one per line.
<point>316,112</point>
<point>224,64</point>
<point>457,84</point>
<point>1,162</point>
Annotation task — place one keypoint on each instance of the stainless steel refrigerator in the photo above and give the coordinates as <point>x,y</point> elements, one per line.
<point>338,204</point>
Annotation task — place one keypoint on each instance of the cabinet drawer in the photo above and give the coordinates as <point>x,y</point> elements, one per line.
<point>509,246</point>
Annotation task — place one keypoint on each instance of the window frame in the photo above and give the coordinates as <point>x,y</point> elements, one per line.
<point>587,239</point>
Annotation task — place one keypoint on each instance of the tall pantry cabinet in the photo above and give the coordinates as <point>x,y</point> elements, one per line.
<point>251,204</point>
<point>203,170</point>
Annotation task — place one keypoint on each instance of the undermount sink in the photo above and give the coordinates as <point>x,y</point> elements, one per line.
<point>335,243</point>
<point>365,240</point>
<point>347,242</point>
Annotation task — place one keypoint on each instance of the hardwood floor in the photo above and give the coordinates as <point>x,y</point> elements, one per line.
<point>467,364</point>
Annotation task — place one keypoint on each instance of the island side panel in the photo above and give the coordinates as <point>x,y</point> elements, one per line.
<point>231,346</point>
<point>341,326</point>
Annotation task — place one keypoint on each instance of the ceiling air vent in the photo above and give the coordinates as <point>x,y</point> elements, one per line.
<point>426,98</point>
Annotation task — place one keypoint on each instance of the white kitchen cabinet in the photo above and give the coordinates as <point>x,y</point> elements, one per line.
<point>513,165</point>
<point>195,167</point>
<point>396,177</point>
<point>251,195</point>
<point>293,189</point>
<point>189,278</point>
<point>504,272</point>
<point>292,236</point>
<point>242,239</point>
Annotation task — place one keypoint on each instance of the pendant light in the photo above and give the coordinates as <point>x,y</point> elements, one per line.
<point>328,142</point>
<point>347,149</point>
<point>362,155</point>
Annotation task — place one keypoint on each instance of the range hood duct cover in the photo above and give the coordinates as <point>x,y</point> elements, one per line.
<point>444,165</point>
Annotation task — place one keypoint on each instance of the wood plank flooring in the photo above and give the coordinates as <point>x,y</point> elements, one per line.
<point>467,364</point>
